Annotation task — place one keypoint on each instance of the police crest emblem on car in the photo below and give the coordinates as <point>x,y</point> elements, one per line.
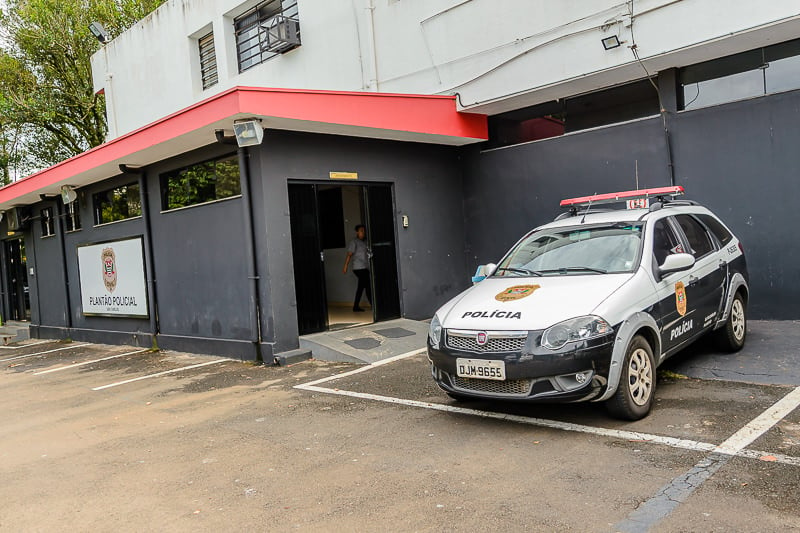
<point>517,292</point>
<point>680,298</point>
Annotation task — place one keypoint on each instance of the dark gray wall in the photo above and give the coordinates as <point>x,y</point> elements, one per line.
<point>201,274</point>
<point>742,160</point>
<point>509,191</point>
<point>427,188</point>
<point>739,159</point>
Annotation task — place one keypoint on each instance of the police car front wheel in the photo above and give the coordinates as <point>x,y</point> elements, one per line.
<point>634,396</point>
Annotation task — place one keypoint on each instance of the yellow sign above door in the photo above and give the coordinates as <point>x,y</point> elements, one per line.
<point>343,175</point>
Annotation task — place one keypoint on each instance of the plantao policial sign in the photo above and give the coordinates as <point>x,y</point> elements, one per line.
<point>112,279</point>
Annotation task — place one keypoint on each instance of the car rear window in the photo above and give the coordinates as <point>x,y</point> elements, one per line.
<point>720,232</point>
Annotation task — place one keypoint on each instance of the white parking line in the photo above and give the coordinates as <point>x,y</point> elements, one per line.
<point>164,373</point>
<point>17,347</point>
<point>761,424</point>
<point>67,367</point>
<point>730,447</point>
<point>71,346</point>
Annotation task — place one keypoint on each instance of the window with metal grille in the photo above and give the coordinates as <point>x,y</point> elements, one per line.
<point>269,29</point>
<point>48,222</point>
<point>72,217</point>
<point>208,60</point>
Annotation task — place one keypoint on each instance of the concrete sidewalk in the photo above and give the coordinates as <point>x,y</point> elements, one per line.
<point>367,344</point>
<point>771,356</point>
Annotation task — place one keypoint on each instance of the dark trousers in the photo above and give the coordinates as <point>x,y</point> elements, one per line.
<point>363,285</point>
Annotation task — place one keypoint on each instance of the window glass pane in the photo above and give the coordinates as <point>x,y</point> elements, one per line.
<point>721,90</point>
<point>723,235</point>
<point>197,184</point>
<point>665,242</point>
<point>117,204</point>
<point>783,75</point>
<point>698,239</point>
<point>48,222</point>
<point>72,217</point>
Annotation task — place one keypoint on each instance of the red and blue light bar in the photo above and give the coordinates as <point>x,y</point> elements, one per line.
<point>612,197</point>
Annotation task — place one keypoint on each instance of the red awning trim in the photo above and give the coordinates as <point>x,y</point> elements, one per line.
<point>422,117</point>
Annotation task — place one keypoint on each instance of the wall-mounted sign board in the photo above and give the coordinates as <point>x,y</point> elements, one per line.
<point>112,279</point>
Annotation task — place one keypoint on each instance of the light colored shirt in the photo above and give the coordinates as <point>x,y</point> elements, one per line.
<point>360,259</point>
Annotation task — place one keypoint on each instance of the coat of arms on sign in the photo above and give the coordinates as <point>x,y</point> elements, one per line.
<point>109,268</point>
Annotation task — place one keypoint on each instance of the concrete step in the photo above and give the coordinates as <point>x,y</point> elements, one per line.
<point>15,331</point>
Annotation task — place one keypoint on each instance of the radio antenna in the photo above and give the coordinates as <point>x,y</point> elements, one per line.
<point>637,174</point>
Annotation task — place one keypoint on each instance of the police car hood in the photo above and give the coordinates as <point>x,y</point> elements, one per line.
<point>529,303</point>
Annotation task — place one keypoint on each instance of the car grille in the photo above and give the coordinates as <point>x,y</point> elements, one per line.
<point>517,387</point>
<point>499,342</point>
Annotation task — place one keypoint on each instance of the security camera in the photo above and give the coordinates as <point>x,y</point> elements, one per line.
<point>99,31</point>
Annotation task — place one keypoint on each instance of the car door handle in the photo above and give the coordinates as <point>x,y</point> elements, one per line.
<point>723,264</point>
<point>693,281</point>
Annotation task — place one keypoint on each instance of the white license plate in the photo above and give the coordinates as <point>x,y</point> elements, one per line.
<point>480,369</point>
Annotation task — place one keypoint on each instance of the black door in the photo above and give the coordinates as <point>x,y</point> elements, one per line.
<point>309,271</point>
<point>380,227</point>
<point>19,306</point>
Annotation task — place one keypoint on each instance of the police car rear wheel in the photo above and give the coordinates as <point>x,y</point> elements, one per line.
<point>731,337</point>
<point>634,396</point>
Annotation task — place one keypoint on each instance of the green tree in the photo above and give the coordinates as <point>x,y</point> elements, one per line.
<point>48,107</point>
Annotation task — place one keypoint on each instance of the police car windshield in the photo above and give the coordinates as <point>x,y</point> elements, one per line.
<point>575,250</point>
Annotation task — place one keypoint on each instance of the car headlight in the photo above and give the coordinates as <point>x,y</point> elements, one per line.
<point>435,332</point>
<point>573,330</point>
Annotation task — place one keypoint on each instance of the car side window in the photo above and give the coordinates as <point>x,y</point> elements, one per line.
<point>665,242</point>
<point>699,239</point>
<point>720,232</point>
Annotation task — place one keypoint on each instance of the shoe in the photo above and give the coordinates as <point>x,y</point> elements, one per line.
<point>358,310</point>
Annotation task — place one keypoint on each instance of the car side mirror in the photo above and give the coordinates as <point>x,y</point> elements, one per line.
<point>483,272</point>
<point>676,263</point>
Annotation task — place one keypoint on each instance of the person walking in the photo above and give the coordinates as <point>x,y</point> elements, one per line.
<point>358,253</point>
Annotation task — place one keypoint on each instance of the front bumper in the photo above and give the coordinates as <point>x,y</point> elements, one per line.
<point>533,374</point>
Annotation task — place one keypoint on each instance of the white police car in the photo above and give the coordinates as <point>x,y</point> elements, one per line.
<point>587,307</point>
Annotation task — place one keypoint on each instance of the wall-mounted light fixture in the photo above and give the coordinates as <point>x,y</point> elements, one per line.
<point>611,42</point>
<point>68,194</point>
<point>248,132</point>
<point>99,31</point>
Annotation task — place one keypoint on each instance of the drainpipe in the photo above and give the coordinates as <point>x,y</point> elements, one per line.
<point>152,288</point>
<point>373,48</point>
<point>65,274</point>
<point>249,235</point>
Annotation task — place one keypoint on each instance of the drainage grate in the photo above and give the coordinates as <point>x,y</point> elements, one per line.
<point>394,333</point>
<point>364,344</point>
<point>515,387</point>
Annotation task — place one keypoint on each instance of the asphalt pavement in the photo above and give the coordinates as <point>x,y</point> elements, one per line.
<point>116,438</point>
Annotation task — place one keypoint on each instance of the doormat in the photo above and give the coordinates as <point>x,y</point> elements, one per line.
<point>394,333</point>
<point>365,343</point>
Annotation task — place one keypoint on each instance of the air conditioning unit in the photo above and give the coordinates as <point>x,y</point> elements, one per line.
<point>281,34</point>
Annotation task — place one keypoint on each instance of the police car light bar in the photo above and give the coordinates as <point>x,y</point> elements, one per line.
<point>612,197</point>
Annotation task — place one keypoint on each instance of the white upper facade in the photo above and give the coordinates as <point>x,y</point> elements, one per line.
<point>498,55</point>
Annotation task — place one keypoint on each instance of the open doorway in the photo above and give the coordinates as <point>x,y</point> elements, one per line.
<point>19,302</point>
<point>323,220</point>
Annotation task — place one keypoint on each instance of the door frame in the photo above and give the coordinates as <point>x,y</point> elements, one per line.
<point>362,185</point>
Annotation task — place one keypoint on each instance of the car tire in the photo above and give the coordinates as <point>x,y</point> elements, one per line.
<point>637,383</point>
<point>732,335</point>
